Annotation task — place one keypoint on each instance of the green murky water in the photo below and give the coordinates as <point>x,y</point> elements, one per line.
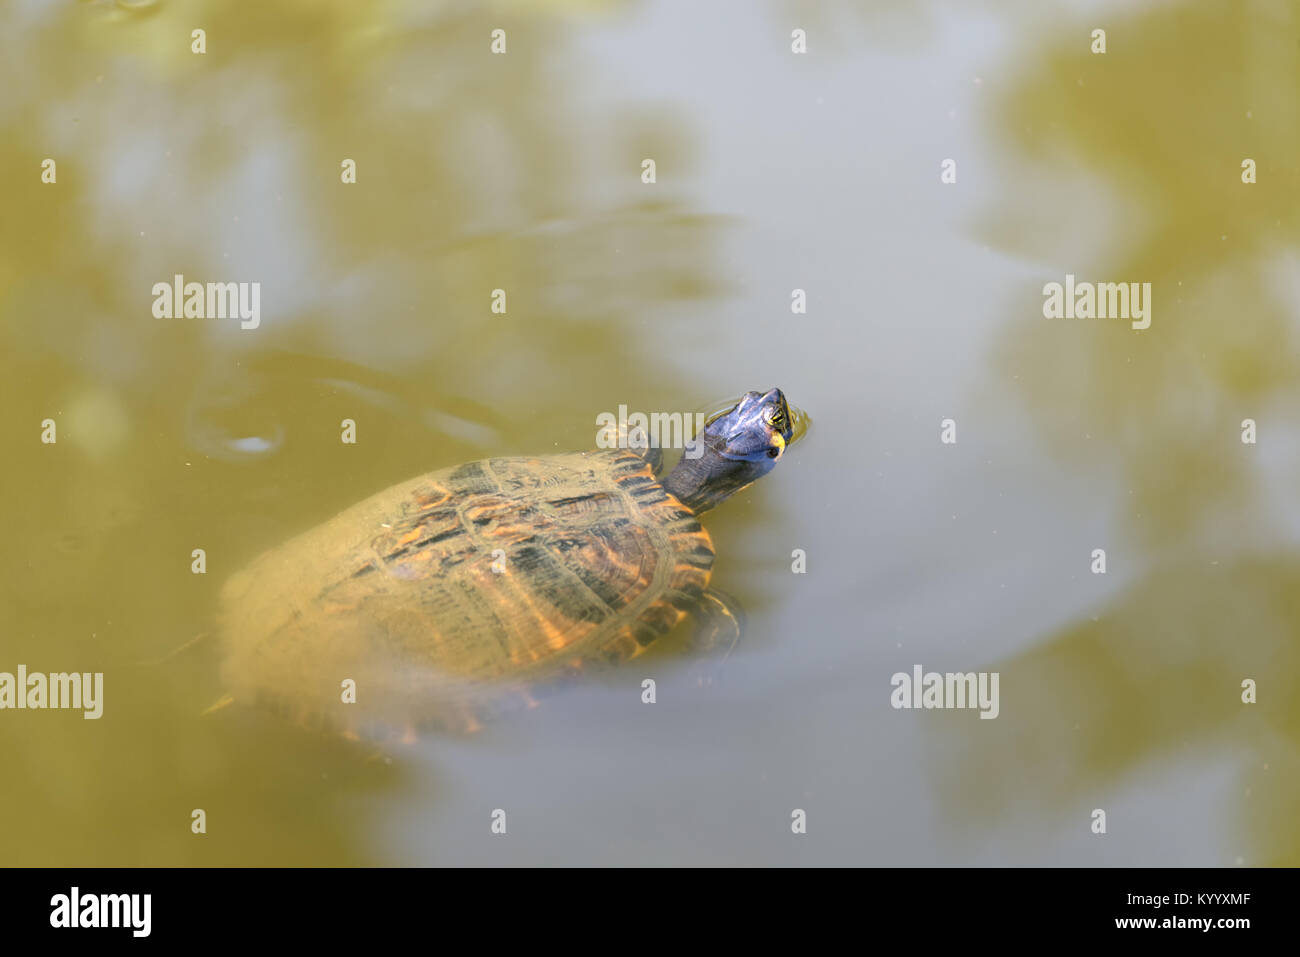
<point>775,172</point>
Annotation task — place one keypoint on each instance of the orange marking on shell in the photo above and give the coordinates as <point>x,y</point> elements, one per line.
<point>555,639</point>
<point>410,536</point>
<point>492,509</point>
<point>432,502</point>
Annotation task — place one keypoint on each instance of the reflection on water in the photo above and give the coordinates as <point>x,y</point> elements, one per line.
<point>184,434</point>
<point>521,172</point>
<point>1167,404</point>
<point>1154,677</point>
<point>1156,674</point>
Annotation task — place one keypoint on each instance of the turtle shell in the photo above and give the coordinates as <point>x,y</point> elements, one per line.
<point>441,594</point>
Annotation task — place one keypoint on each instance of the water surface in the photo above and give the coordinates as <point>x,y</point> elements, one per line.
<point>775,172</point>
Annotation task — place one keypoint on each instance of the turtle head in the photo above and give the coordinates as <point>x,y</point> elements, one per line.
<point>756,430</point>
<point>736,448</point>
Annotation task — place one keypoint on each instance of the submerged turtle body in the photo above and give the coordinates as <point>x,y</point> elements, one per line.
<point>439,596</point>
<point>503,571</point>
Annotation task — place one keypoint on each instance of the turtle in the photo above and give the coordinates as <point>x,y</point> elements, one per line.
<point>434,601</point>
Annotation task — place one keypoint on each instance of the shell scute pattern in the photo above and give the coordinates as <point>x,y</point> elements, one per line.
<point>599,561</point>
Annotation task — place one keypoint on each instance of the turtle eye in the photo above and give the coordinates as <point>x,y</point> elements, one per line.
<point>777,420</point>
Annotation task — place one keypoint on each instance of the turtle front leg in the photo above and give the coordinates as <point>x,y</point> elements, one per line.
<point>719,621</point>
